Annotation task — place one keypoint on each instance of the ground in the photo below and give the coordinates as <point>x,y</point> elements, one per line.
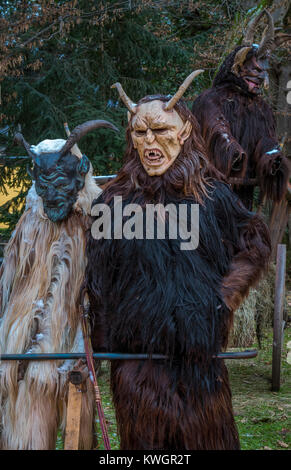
<point>261,415</point>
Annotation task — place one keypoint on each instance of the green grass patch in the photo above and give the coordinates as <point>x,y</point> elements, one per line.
<point>262,416</point>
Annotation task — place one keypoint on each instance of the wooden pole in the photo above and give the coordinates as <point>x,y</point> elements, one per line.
<point>278,316</point>
<point>73,418</point>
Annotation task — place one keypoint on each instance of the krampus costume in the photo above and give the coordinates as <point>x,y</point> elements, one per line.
<point>153,296</point>
<point>238,125</point>
<point>40,279</point>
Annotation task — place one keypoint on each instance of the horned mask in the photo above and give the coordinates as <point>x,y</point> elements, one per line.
<point>260,52</point>
<point>59,169</point>
<point>157,130</point>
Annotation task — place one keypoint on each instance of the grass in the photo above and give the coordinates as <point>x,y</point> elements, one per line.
<point>260,414</point>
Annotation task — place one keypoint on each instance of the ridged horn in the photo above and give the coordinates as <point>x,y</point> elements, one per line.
<point>280,39</point>
<point>250,32</point>
<point>268,36</point>
<point>131,106</point>
<point>187,82</point>
<point>239,59</point>
<point>20,140</point>
<point>82,130</point>
<point>75,148</point>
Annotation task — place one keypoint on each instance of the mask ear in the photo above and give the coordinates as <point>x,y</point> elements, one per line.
<point>83,165</point>
<point>185,132</point>
<point>30,172</point>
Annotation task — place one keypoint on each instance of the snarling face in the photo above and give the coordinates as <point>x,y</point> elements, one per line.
<point>58,179</point>
<point>158,136</point>
<point>254,74</point>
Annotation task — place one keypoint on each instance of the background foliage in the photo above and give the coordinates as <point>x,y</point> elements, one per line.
<point>59,59</point>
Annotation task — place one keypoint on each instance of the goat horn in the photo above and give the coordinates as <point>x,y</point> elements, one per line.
<point>239,58</point>
<point>268,36</point>
<point>249,35</point>
<point>82,130</point>
<point>75,147</point>
<point>187,82</point>
<point>20,140</point>
<point>131,106</point>
<point>280,39</point>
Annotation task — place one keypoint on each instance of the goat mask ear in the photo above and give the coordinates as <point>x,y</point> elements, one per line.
<point>29,172</point>
<point>83,165</point>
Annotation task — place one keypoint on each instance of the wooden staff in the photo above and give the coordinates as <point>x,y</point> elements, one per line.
<point>278,316</point>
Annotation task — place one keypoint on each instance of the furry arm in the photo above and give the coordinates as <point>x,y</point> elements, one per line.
<point>272,166</point>
<point>224,151</point>
<point>250,260</point>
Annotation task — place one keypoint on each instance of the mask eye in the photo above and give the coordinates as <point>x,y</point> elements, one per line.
<point>140,132</point>
<point>162,130</point>
<point>40,186</point>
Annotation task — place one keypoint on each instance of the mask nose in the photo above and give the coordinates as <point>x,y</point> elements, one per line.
<point>149,138</point>
<point>51,195</point>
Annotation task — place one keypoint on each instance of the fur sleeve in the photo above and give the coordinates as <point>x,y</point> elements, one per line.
<point>273,168</point>
<point>250,247</point>
<point>223,149</point>
<point>94,283</point>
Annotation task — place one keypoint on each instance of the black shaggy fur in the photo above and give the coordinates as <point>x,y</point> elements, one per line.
<point>235,123</point>
<point>149,296</point>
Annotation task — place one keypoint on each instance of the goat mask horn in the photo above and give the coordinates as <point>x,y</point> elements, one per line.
<point>20,140</point>
<point>131,106</point>
<point>82,130</point>
<point>239,59</point>
<point>250,33</point>
<point>279,39</point>
<point>187,82</point>
<point>268,36</point>
<point>75,148</point>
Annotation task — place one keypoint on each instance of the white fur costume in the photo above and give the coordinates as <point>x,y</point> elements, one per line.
<point>40,279</point>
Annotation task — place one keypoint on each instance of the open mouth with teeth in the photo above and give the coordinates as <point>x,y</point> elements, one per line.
<point>153,157</point>
<point>253,83</point>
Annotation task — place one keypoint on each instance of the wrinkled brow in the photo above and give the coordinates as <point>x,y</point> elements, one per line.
<point>150,120</point>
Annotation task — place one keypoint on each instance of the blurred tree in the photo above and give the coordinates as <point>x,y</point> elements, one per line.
<point>58,60</point>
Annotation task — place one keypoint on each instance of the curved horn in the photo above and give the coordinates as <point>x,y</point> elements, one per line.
<point>75,148</point>
<point>131,106</point>
<point>268,36</point>
<point>280,39</point>
<point>187,82</point>
<point>20,140</point>
<point>82,130</point>
<point>250,32</point>
<point>239,59</point>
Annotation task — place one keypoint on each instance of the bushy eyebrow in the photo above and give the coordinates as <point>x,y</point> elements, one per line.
<point>140,123</point>
<point>155,123</point>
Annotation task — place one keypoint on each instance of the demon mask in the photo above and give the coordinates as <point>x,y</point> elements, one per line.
<point>157,130</point>
<point>59,169</point>
<point>251,60</point>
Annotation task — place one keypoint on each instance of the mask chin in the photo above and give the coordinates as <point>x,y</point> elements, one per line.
<point>58,214</point>
<point>158,171</point>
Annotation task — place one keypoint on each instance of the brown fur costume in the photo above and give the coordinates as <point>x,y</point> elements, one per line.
<point>150,296</point>
<point>238,125</point>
